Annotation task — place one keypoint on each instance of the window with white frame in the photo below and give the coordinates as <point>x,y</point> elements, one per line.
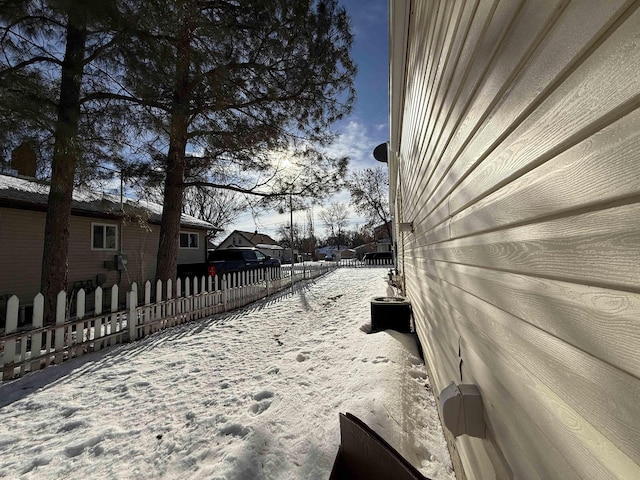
<point>188,240</point>
<point>104,236</point>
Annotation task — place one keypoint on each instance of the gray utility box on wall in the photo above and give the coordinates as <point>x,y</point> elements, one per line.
<point>390,313</point>
<point>462,411</point>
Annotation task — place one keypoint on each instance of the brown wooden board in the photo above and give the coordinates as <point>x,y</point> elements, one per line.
<point>365,455</point>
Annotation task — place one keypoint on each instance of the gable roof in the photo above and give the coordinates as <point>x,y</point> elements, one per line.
<point>256,238</point>
<point>26,194</point>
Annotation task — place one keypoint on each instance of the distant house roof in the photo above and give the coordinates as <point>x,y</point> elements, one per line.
<point>257,238</point>
<point>18,192</point>
<point>269,246</point>
<point>327,249</point>
<point>382,231</point>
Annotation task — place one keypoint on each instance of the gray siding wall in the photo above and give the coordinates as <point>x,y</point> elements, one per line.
<point>22,238</point>
<point>517,157</point>
<point>193,255</point>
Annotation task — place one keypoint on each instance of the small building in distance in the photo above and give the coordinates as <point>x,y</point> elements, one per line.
<point>261,241</point>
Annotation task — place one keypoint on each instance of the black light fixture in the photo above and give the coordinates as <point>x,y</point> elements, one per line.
<point>380,152</point>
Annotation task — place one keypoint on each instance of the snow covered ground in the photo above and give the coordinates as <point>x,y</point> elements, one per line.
<point>252,394</point>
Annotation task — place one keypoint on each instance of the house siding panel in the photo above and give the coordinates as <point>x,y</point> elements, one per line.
<point>519,166</point>
<point>21,239</point>
<point>85,263</point>
<point>140,245</point>
<point>193,255</point>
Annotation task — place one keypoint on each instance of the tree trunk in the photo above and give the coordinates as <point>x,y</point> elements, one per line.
<point>167,264</point>
<point>55,263</point>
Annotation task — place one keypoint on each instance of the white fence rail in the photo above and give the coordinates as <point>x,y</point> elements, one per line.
<point>157,307</point>
<point>373,262</point>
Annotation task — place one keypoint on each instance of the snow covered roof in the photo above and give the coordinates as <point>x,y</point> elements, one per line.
<point>269,246</point>
<point>22,193</point>
<point>258,238</point>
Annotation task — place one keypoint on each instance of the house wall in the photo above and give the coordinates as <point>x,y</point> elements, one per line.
<point>140,245</point>
<point>84,263</point>
<point>515,152</point>
<point>235,240</point>
<point>238,240</point>
<point>193,255</point>
<point>22,238</point>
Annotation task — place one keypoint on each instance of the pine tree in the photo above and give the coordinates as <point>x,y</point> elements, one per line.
<point>53,54</point>
<point>224,84</point>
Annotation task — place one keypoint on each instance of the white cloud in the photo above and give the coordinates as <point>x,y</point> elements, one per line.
<point>355,142</point>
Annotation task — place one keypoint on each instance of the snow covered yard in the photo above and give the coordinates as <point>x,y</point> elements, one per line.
<point>251,394</point>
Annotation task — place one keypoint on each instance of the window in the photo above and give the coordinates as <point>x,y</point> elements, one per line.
<point>188,240</point>
<point>104,237</point>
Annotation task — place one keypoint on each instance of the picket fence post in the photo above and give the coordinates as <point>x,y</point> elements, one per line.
<point>178,303</point>
<point>114,314</point>
<point>148,318</point>
<point>216,285</point>
<point>11,326</point>
<point>225,293</point>
<point>80,309</point>
<point>132,319</point>
<point>193,302</point>
<point>97,323</point>
<point>169,312</point>
<point>208,293</point>
<point>204,297</point>
<point>61,307</point>
<point>36,338</point>
<point>159,309</point>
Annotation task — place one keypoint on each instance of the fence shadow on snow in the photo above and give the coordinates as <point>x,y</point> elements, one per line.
<point>155,307</point>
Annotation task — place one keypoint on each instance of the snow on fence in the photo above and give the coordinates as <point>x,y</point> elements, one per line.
<point>155,308</point>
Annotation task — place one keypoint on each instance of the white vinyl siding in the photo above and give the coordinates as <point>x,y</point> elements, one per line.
<point>517,158</point>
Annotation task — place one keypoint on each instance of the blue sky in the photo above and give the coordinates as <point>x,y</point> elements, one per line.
<point>368,125</point>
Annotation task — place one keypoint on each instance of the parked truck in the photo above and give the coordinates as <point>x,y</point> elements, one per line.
<point>228,260</point>
<point>238,259</point>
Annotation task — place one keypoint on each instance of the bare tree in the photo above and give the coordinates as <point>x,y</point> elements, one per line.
<point>335,221</point>
<point>216,206</point>
<point>369,190</point>
<point>284,235</point>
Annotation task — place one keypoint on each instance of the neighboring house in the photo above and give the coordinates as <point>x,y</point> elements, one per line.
<point>366,248</point>
<point>262,242</point>
<point>514,162</point>
<point>382,237</point>
<point>327,252</point>
<point>101,235</point>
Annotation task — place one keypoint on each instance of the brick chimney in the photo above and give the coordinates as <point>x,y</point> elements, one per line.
<point>23,159</point>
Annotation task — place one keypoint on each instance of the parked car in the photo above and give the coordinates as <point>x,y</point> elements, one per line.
<point>378,258</point>
<point>228,260</point>
<point>238,259</point>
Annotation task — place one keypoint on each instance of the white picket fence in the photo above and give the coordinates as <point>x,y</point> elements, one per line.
<point>155,308</point>
<point>374,262</point>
